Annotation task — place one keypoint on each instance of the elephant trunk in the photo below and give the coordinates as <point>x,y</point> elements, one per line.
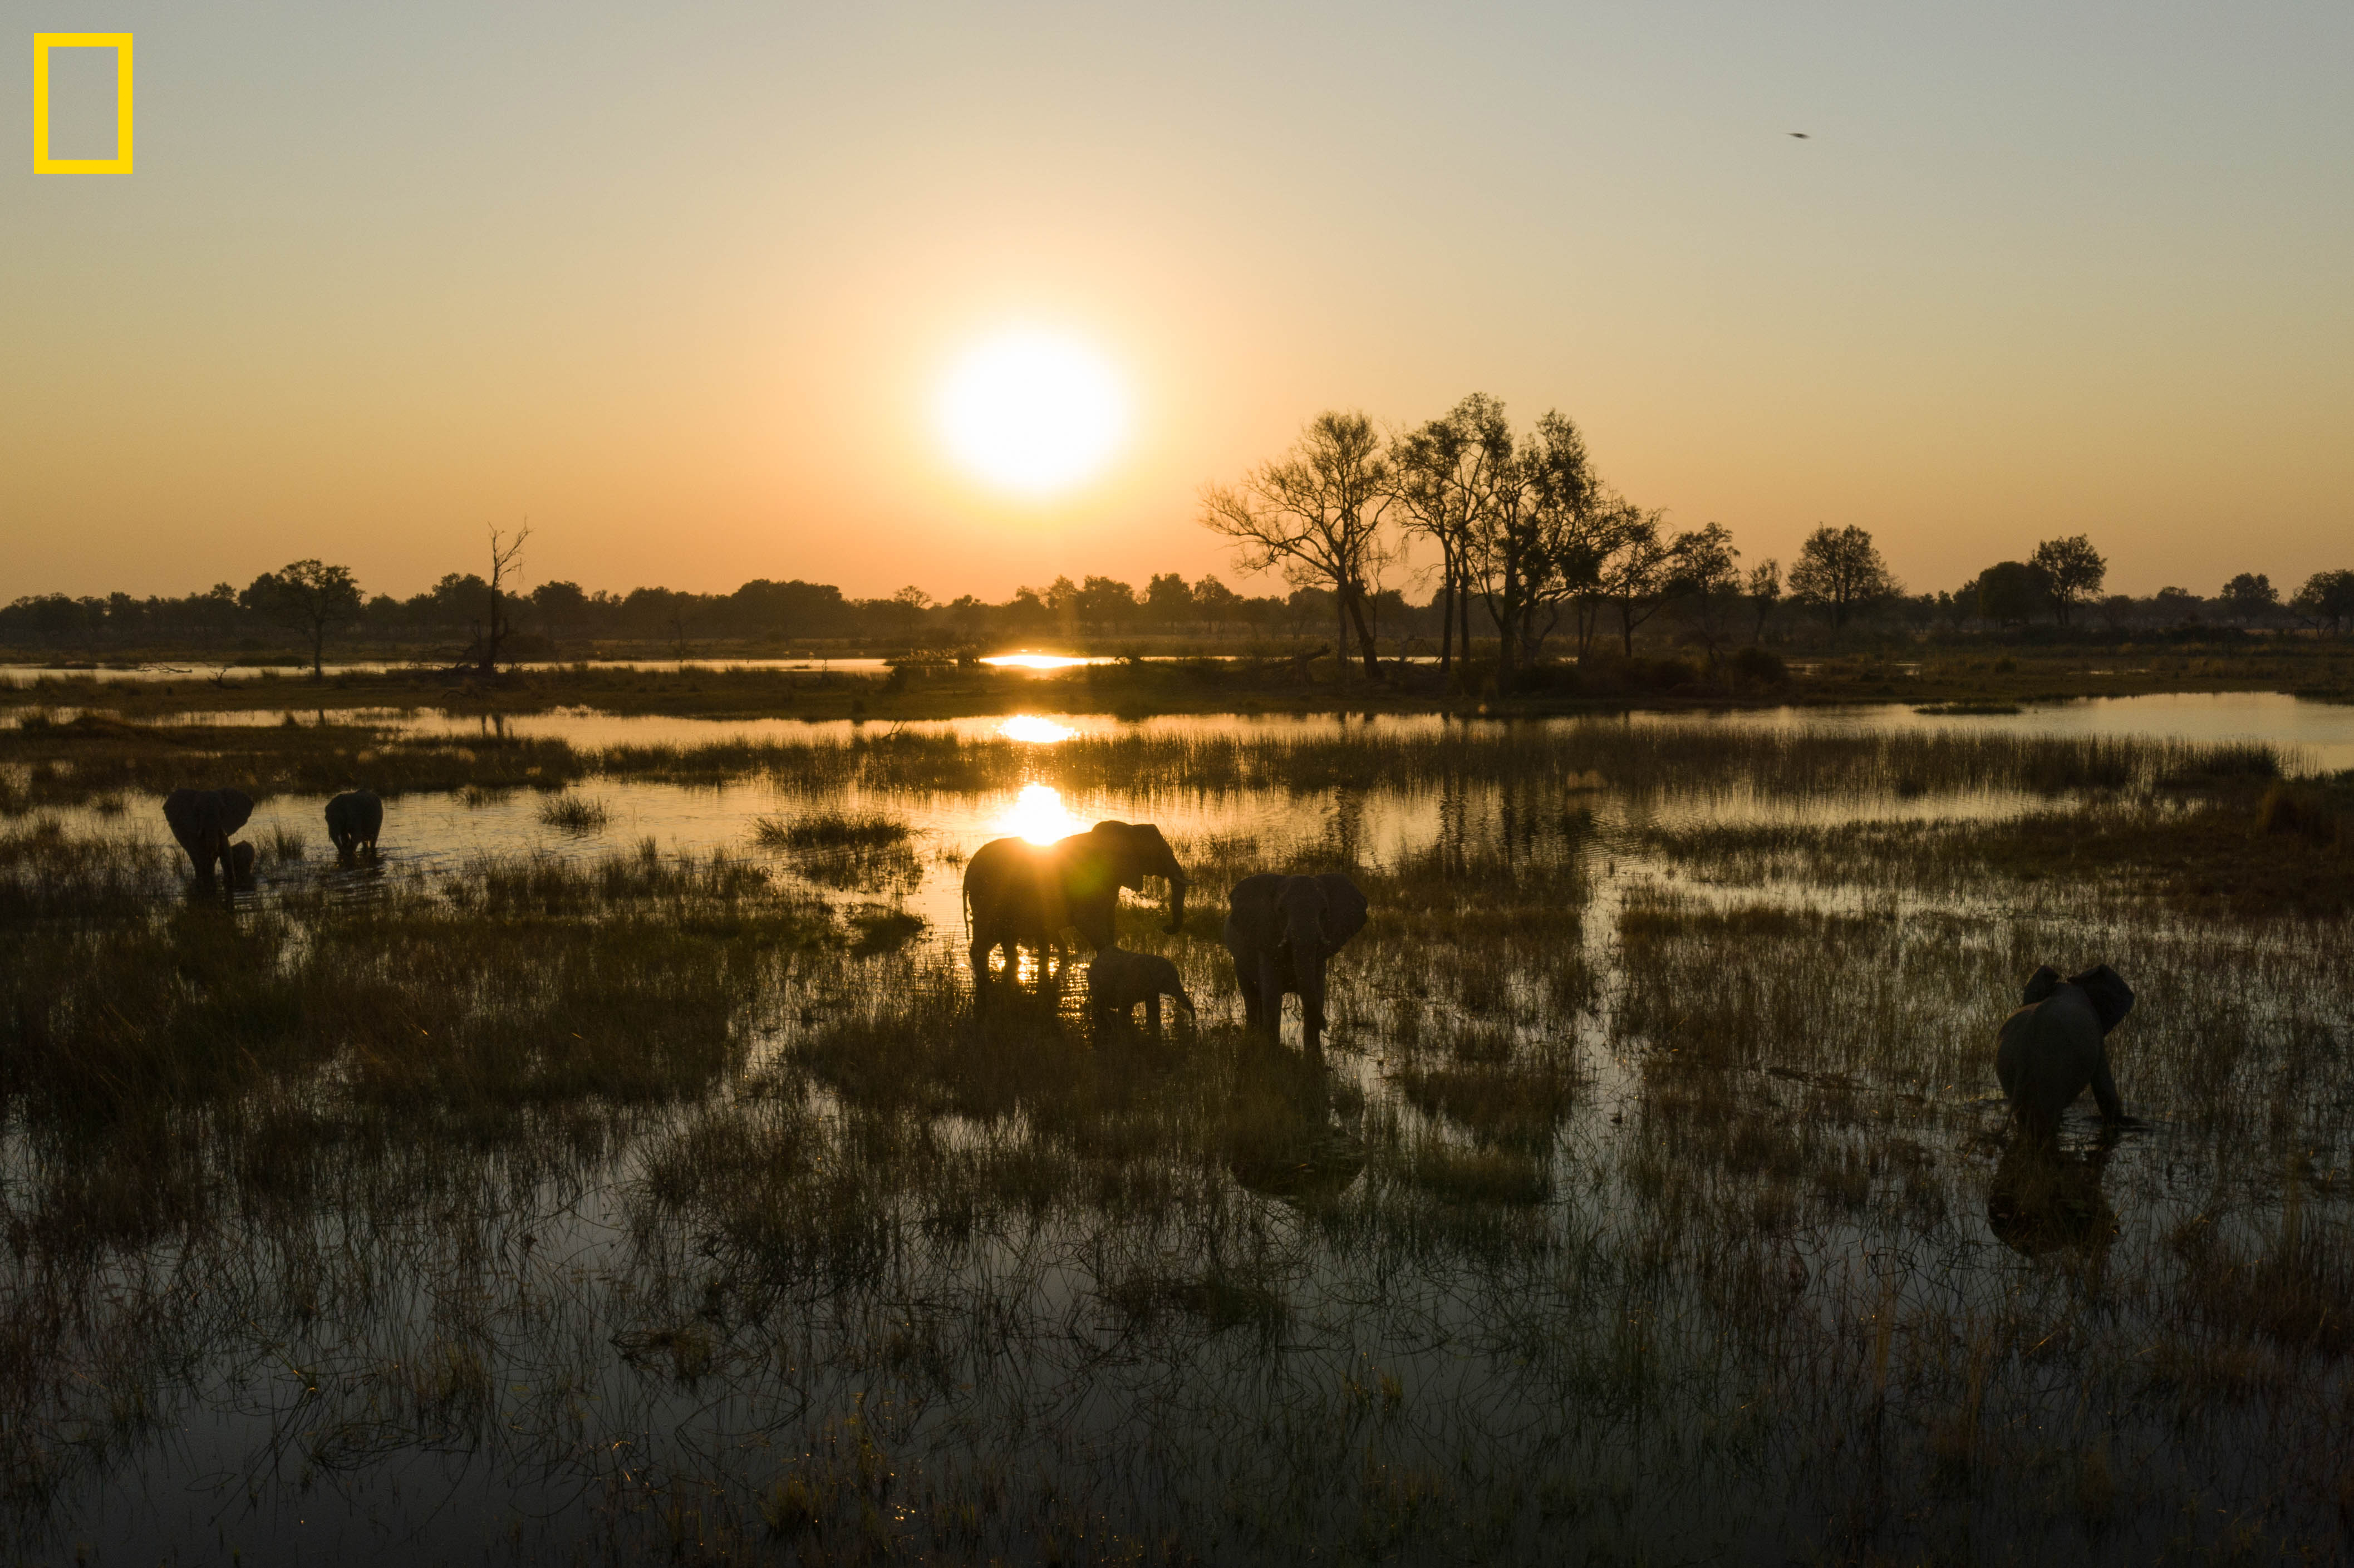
<point>1176,905</point>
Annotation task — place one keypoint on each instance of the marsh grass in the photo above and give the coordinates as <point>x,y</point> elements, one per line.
<point>575,814</point>
<point>1623,1215</point>
<point>867,854</point>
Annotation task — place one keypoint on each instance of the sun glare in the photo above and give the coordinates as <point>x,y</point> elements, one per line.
<point>1032,412</point>
<point>1039,815</point>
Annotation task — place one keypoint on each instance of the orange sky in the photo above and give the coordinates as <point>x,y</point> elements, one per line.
<point>678,288</point>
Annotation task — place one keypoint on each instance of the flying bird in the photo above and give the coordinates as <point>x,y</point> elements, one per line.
<point>1801,135</point>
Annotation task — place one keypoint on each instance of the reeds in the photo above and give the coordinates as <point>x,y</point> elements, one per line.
<point>1622,1214</point>
<point>575,814</point>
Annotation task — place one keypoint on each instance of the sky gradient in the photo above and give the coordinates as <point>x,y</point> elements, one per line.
<point>677,287</point>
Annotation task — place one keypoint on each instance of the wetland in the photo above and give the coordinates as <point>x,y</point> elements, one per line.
<point>617,1166</point>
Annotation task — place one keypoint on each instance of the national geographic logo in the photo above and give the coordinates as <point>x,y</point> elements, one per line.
<point>82,84</point>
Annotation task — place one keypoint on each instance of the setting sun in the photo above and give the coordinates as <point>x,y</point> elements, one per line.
<point>1032,412</point>
<point>1039,815</point>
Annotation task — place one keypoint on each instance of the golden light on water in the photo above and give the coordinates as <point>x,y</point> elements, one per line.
<point>1039,661</point>
<point>1032,412</point>
<point>1039,815</point>
<point>1035,729</point>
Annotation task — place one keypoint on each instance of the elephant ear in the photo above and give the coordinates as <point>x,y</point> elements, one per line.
<point>2112,998</point>
<point>180,814</point>
<point>2039,986</point>
<point>1252,907</point>
<point>236,807</point>
<point>1344,910</point>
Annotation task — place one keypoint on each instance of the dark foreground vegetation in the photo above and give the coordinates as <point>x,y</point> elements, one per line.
<point>1651,1198</point>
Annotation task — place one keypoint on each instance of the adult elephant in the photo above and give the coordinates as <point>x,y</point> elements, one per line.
<point>203,820</point>
<point>1016,891</point>
<point>2055,1046</point>
<point>353,819</point>
<point>1283,931</point>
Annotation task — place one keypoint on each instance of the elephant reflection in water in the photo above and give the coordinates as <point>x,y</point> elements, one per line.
<point>1284,1138</point>
<point>2045,1200</point>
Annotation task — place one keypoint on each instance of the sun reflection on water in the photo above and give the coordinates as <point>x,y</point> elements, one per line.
<point>1032,727</point>
<point>1040,660</point>
<point>1039,815</point>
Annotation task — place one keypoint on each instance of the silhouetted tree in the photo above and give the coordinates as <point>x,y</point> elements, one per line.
<point>2175,606</point>
<point>1167,600</point>
<point>1764,587</point>
<point>2072,572</point>
<point>2012,593</point>
<point>1441,474</point>
<point>311,596</point>
<point>2326,600</point>
<point>1316,514</point>
<point>1638,573</point>
<point>1107,604</point>
<point>1838,570</point>
<point>1706,573</point>
<point>491,635</point>
<point>1214,601</point>
<point>2249,598</point>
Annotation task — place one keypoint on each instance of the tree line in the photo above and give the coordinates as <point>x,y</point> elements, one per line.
<point>1528,534</point>
<point>1534,553</point>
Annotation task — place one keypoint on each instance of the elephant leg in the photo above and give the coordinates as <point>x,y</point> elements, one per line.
<point>1152,1015</point>
<point>1270,994</point>
<point>982,945</point>
<point>1246,984</point>
<point>2104,1089</point>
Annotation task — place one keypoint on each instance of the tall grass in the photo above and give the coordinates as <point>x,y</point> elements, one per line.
<point>1623,1215</point>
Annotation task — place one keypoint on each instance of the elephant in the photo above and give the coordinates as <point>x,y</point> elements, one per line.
<point>202,820</point>
<point>1283,931</point>
<point>2054,1046</point>
<point>353,819</point>
<point>1016,891</point>
<point>240,865</point>
<point>1119,980</point>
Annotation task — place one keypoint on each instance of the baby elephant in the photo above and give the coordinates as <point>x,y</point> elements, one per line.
<point>240,865</point>
<point>1119,980</point>
<point>353,819</point>
<point>2054,1047</point>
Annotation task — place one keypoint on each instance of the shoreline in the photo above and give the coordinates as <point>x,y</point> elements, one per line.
<point>1929,677</point>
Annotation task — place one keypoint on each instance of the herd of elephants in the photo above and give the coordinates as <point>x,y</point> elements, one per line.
<point>1281,931</point>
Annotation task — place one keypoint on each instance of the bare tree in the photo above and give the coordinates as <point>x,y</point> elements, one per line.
<point>1316,514</point>
<point>1838,569</point>
<point>507,560</point>
<point>312,598</point>
<point>2072,572</point>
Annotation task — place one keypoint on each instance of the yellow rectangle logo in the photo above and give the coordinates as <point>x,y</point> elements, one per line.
<point>120,44</point>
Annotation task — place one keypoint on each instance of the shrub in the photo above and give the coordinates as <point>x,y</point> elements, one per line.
<point>1761,665</point>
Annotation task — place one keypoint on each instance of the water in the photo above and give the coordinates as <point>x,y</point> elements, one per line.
<point>1513,1330</point>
